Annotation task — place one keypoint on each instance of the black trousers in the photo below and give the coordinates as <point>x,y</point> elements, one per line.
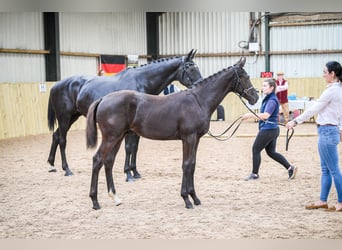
<point>267,139</point>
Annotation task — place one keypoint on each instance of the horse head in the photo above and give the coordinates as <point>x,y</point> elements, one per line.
<point>244,87</point>
<point>189,72</point>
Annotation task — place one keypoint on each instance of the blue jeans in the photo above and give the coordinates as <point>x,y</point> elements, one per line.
<point>328,139</point>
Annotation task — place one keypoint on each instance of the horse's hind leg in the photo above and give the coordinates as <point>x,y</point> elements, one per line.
<point>63,130</point>
<point>131,148</point>
<point>109,162</point>
<point>97,164</point>
<point>105,155</point>
<point>53,149</point>
<point>135,145</point>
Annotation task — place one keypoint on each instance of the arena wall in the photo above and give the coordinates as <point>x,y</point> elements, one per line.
<point>23,106</point>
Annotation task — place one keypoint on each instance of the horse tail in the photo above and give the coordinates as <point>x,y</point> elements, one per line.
<point>51,115</point>
<point>91,129</point>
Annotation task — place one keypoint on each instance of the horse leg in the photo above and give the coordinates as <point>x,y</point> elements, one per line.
<point>131,148</point>
<point>109,175</point>
<point>191,186</point>
<point>135,143</point>
<point>190,146</point>
<point>63,130</point>
<point>97,164</point>
<point>128,150</point>
<point>62,146</point>
<point>53,149</point>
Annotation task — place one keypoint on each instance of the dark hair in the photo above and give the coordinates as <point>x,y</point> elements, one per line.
<point>334,66</point>
<point>272,83</point>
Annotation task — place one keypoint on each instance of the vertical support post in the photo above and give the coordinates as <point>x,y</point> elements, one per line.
<point>152,34</point>
<point>267,43</point>
<point>51,42</point>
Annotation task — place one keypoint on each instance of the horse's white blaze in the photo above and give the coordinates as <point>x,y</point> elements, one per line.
<point>116,199</point>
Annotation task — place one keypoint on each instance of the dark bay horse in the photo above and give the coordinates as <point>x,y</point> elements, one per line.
<point>71,97</point>
<point>181,116</point>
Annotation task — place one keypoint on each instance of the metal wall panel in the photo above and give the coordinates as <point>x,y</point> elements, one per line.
<point>305,38</point>
<point>22,68</point>
<point>302,65</point>
<point>76,65</point>
<point>221,32</point>
<point>106,33</point>
<point>102,33</point>
<point>21,30</point>
<point>125,33</point>
<point>208,32</point>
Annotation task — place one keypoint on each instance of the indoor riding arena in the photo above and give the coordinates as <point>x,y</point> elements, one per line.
<point>39,200</point>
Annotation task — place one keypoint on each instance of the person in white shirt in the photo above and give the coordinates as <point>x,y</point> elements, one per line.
<point>329,125</point>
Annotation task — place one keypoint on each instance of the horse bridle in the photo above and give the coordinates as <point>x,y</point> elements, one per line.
<point>217,137</point>
<point>185,74</point>
<point>245,91</point>
<point>238,81</point>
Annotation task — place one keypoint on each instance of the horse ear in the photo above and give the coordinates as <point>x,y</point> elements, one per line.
<point>189,57</point>
<point>193,54</point>
<point>242,61</point>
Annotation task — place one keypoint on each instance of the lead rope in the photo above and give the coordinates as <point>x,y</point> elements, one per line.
<point>217,137</point>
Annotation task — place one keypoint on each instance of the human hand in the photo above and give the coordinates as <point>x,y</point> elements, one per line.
<point>246,116</point>
<point>290,124</point>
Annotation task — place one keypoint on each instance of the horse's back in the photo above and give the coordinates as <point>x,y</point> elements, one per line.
<point>101,86</point>
<point>70,86</point>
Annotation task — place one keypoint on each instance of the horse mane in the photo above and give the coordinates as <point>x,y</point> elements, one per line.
<point>210,78</point>
<point>156,61</point>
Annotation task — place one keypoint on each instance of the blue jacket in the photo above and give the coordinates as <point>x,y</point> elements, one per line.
<point>273,109</point>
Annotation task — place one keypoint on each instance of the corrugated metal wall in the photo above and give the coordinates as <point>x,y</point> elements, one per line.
<point>125,33</point>
<point>209,33</point>
<point>96,33</point>
<point>221,32</point>
<point>102,33</point>
<point>305,38</point>
<point>21,31</point>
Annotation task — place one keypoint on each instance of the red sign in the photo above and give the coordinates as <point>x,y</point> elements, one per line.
<point>266,74</point>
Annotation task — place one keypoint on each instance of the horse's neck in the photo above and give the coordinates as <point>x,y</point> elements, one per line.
<point>211,93</point>
<point>158,75</point>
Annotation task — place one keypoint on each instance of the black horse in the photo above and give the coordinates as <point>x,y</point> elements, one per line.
<point>71,97</point>
<point>181,116</point>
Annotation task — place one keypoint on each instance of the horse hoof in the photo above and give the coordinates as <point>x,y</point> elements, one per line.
<point>189,206</point>
<point>52,170</point>
<point>138,176</point>
<point>130,179</point>
<point>96,207</point>
<point>197,202</point>
<point>117,202</point>
<point>68,173</point>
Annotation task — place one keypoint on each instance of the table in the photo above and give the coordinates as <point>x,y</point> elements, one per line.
<point>297,105</point>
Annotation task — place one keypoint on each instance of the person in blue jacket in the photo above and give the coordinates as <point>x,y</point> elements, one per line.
<point>268,131</point>
<point>171,88</point>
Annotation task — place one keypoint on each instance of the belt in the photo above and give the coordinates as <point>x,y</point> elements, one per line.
<point>318,125</point>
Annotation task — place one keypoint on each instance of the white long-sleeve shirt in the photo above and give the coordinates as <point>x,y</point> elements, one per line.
<point>328,107</point>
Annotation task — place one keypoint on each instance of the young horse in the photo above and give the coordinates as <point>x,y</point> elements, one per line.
<point>71,97</point>
<point>181,116</point>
